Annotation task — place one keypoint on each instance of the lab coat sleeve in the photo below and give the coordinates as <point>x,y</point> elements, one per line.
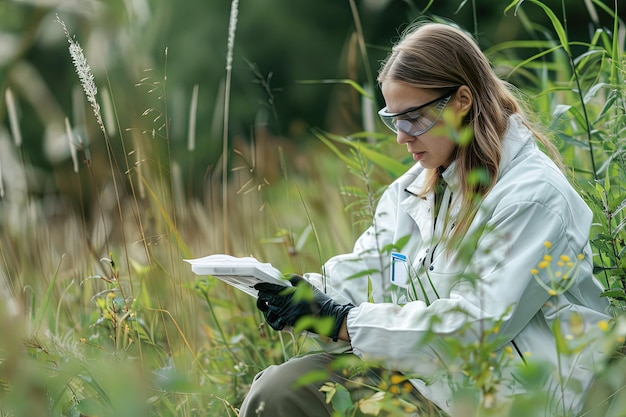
<point>499,286</point>
<point>347,277</point>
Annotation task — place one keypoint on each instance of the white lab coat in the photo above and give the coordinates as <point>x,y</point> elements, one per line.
<point>531,203</point>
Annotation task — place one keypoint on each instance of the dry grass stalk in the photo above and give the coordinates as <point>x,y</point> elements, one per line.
<point>72,145</point>
<point>12,110</point>
<point>1,182</point>
<point>193,110</point>
<point>232,26</point>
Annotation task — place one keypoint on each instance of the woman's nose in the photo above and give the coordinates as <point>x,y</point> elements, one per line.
<point>403,137</point>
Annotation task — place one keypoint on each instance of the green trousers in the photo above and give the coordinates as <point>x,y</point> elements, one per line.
<point>292,389</point>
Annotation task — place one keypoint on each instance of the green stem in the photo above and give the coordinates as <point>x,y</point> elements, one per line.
<point>219,326</point>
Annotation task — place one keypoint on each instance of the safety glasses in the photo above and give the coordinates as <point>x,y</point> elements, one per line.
<point>417,120</point>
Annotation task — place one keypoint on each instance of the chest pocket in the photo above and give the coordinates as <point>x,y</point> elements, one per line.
<point>430,277</point>
<point>435,276</point>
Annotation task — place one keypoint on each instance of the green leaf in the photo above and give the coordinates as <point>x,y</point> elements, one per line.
<point>346,81</point>
<point>389,164</point>
<point>562,346</point>
<point>516,3</point>
<point>89,407</point>
<point>323,325</point>
<point>338,396</point>
<point>312,377</point>
<point>478,176</point>
<point>96,387</point>
<point>371,406</point>
<point>533,58</point>
<point>533,374</point>
<point>365,272</point>
<point>556,24</point>
<point>615,293</point>
<point>349,162</point>
<point>397,246</point>
<point>607,182</point>
<point>342,401</point>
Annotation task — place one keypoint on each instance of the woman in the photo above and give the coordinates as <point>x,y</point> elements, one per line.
<point>471,223</point>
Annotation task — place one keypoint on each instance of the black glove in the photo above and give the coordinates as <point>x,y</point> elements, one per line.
<point>284,306</point>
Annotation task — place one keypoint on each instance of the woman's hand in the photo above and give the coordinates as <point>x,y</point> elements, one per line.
<point>285,306</point>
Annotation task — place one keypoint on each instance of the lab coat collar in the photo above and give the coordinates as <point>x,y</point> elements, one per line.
<point>516,137</point>
<point>418,207</point>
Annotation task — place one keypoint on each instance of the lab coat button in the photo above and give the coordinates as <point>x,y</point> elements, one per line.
<point>430,268</point>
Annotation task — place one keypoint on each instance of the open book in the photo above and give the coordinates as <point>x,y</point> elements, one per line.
<point>241,273</point>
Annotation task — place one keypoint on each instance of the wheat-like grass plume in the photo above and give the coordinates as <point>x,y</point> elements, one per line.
<point>84,74</point>
<point>232,27</point>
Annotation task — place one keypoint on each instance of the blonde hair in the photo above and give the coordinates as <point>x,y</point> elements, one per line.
<point>439,56</point>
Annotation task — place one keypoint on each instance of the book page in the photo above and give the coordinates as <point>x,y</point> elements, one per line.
<point>241,273</point>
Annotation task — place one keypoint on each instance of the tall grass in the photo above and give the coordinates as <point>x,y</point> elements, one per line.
<point>99,315</point>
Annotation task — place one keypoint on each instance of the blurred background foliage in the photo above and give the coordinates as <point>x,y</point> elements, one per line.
<point>278,45</point>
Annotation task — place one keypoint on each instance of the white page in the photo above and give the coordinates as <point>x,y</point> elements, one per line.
<point>241,273</point>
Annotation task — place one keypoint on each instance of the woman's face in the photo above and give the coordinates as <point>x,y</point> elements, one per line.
<point>435,147</point>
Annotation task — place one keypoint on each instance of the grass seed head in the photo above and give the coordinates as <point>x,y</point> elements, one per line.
<point>84,74</point>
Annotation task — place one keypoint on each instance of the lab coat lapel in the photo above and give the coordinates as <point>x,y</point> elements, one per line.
<point>420,209</point>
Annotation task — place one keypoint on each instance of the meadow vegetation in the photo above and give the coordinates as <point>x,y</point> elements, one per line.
<point>100,316</point>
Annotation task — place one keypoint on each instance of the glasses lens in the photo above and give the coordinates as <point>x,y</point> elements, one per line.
<point>418,121</point>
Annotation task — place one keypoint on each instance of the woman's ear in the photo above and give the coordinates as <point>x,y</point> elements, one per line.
<point>464,99</point>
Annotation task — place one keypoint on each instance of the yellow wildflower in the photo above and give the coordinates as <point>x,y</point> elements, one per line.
<point>547,258</point>
<point>396,379</point>
<point>543,264</point>
<point>547,244</point>
<point>394,389</point>
<point>565,258</point>
<point>560,263</point>
<point>552,292</point>
<point>603,325</point>
<point>580,256</point>
<point>534,271</point>
<point>509,351</point>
